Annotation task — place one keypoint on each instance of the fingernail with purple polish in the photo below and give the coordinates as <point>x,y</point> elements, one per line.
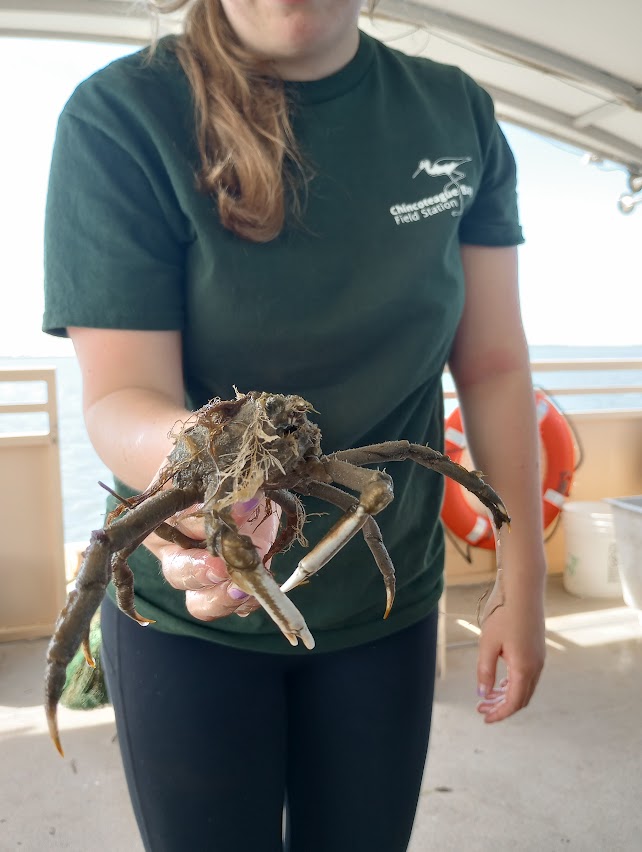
<point>482,690</point>
<point>237,594</point>
<point>249,505</point>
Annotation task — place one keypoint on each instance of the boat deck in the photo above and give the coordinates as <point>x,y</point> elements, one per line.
<point>564,773</point>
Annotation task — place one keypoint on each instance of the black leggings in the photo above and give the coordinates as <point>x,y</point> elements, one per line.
<point>214,740</point>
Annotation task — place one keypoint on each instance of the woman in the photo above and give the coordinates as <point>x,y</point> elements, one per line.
<point>353,228</point>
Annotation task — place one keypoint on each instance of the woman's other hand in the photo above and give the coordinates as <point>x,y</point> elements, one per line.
<point>513,631</point>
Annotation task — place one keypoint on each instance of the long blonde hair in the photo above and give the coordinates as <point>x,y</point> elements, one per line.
<point>249,157</point>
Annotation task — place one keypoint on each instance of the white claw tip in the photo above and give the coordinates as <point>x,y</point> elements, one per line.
<point>292,582</point>
<point>306,638</point>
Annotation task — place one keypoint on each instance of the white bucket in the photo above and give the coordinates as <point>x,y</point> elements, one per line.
<point>627,514</point>
<point>591,569</point>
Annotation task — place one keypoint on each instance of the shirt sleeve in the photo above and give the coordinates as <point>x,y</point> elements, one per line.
<point>112,258</point>
<point>492,219</point>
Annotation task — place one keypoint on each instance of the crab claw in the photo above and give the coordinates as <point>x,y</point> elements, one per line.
<point>278,606</point>
<point>247,571</point>
<point>329,546</point>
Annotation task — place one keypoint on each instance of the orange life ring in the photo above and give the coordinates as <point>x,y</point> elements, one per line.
<point>558,466</point>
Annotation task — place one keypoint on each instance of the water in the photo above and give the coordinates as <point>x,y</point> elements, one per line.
<point>572,404</point>
<point>599,378</point>
<point>82,469</point>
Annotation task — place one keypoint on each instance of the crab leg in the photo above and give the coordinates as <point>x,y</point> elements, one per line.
<point>376,492</point>
<point>294,516</point>
<point>371,533</point>
<point>82,603</point>
<point>123,578</point>
<point>374,540</point>
<point>72,626</point>
<point>427,457</point>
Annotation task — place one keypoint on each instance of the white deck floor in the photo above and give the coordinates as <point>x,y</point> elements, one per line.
<point>566,773</point>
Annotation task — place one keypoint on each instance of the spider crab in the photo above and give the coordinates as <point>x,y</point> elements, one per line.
<point>225,453</point>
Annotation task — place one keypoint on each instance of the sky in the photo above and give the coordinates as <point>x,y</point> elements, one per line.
<point>580,271</point>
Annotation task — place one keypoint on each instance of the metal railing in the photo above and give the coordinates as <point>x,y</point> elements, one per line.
<point>584,365</point>
<point>48,406</point>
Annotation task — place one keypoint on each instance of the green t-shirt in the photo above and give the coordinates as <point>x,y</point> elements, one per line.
<point>354,307</point>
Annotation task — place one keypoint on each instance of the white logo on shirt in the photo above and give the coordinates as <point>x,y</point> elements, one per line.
<point>449,198</point>
<point>443,166</point>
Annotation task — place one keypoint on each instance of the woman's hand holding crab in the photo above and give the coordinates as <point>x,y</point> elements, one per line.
<point>209,591</point>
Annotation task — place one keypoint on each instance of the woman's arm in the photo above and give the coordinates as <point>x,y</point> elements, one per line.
<point>491,369</point>
<point>132,397</point>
